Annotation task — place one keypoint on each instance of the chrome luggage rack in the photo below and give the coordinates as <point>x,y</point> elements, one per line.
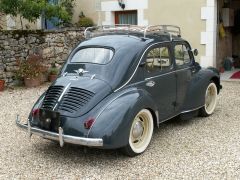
<point>127,28</point>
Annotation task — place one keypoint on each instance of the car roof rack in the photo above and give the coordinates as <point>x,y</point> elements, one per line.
<point>98,30</point>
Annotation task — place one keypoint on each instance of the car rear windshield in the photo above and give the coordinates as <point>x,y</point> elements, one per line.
<point>93,55</point>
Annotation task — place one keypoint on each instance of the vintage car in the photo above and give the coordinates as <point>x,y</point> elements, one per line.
<point>121,83</point>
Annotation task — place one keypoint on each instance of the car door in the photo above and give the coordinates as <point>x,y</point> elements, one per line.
<point>184,71</point>
<point>160,79</point>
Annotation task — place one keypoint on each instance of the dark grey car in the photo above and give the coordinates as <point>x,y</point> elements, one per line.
<point>119,84</point>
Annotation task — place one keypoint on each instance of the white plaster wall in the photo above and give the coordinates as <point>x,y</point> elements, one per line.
<point>39,23</point>
<point>109,7</point>
<point>11,24</point>
<point>208,37</point>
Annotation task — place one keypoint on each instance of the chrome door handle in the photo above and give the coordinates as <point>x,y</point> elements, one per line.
<point>193,70</point>
<point>150,83</point>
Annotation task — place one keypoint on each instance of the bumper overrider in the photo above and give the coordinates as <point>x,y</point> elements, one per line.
<point>60,137</point>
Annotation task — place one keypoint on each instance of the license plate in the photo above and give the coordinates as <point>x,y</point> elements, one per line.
<point>49,120</point>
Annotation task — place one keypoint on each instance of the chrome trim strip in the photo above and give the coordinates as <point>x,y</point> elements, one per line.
<point>91,142</point>
<point>183,69</point>
<point>159,76</point>
<point>59,99</point>
<point>180,114</point>
<point>167,73</point>
<point>187,111</point>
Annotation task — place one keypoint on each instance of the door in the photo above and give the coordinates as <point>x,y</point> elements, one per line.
<point>51,23</point>
<point>184,71</point>
<point>160,79</point>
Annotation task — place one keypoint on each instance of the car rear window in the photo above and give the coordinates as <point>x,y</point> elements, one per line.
<point>93,55</point>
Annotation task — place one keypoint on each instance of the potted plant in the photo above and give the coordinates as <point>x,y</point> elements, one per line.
<point>84,21</point>
<point>53,72</point>
<point>30,70</point>
<point>2,82</point>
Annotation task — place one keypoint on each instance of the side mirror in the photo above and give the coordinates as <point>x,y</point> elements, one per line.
<point>195,52</point>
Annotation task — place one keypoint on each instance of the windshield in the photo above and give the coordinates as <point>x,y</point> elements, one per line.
<point>93,55</point>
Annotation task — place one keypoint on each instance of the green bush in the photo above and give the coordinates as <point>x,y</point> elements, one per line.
<point>85,22</point>
<point>53,71</point>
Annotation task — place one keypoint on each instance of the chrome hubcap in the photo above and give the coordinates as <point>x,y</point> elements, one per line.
<point>137,130</point>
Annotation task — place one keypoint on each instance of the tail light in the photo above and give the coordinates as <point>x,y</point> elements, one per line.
<point>88,123</point>
<point>35,112</point>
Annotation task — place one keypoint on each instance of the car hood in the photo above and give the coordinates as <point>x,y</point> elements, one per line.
<point>74,96</point>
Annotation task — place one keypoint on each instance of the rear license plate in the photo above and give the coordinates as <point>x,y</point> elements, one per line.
<point>49,120</point>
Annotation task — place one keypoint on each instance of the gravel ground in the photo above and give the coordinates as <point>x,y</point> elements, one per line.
<point>201,148</point>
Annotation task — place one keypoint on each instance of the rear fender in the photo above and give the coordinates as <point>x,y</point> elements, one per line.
<point>36,106</point>
<point>114,121</point>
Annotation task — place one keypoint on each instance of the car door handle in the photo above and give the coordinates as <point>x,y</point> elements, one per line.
<point>193,70</point>
<point>150,83</point>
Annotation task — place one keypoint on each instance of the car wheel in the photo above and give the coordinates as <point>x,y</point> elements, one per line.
<point>140,133</point>
<point>210,100</point>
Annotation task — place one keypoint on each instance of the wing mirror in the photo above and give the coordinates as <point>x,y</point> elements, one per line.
<point>195,52</point>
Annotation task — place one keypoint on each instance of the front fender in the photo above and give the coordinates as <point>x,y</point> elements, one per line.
<point>114,121</point>
<point>197,88</point>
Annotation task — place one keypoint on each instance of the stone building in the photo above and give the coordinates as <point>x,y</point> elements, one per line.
<point>199,21</point>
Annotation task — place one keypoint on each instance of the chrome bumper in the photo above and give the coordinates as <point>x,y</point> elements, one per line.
<point>61,137</point>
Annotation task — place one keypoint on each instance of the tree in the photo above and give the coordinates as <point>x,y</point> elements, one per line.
<point>31,10</point>
<point>10,7</point>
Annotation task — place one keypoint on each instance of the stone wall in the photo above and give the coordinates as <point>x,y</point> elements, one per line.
<point>53,45</point>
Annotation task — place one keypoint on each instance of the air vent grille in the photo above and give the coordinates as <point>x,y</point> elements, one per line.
<point>75,99</point>
<point>52,95</point>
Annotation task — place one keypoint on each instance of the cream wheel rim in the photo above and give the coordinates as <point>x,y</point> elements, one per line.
<point>211,98</point>
<point>141,131</point>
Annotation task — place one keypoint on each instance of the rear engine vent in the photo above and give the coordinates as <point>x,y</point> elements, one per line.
<point>75,99</point>
<point>52,95</point>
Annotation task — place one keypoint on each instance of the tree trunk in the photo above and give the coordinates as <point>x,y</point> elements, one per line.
<point>21,22</point>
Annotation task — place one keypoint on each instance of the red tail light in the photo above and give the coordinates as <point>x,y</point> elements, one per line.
<point>35,112</point>
<point>88,123</point>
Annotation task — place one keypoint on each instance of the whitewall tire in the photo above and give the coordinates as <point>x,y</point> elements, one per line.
<point>140,133</point>
<point>210,100</point>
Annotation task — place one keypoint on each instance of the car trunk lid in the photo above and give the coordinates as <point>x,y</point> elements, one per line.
<point>75,95</point>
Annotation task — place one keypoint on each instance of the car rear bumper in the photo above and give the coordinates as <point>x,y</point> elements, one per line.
<point>60,137</point>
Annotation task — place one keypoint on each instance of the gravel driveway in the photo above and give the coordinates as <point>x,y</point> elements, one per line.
<point>201,148</point>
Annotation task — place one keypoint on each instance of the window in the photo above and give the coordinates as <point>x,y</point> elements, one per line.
<point>182,55</point>
<point>158,59</point>
<point>126,17</point>
<point>93,55</point>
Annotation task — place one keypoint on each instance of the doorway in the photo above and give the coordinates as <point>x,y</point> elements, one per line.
<point>228,37</point>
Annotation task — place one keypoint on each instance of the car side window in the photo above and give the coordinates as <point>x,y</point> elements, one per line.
<point>182,56</point>
<point>158,59</point>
